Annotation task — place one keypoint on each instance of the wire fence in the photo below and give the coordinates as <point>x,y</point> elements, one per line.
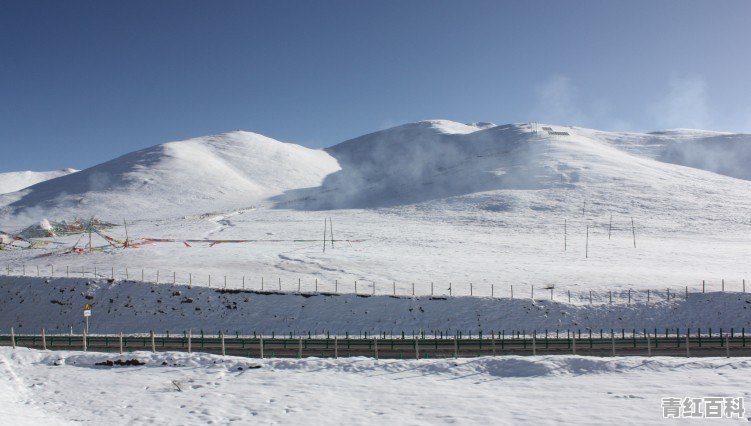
<point>365,288</point>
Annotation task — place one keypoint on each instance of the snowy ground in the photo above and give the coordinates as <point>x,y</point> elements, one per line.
<point>66,388</point>
<point>30,304</point>
<point>477,209</point>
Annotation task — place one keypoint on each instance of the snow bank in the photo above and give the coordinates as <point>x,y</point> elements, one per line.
<point>132,307</point>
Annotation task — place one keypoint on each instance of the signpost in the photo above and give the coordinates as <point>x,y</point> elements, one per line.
<point>86,315</point>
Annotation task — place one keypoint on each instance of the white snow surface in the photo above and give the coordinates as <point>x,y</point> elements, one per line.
<point>231,170</point>
<point>16,181</point>
<point>431,207</point>
<point>39,387</point>
<point>462,206</point>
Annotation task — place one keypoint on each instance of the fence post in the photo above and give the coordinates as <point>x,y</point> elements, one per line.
<point>727,345</point>
<point>336,347</point>
<point>723,285</point>
<point>456,347</point>
<point>260,345</point>
<point>153,345</point>
<point>534,342</point>
<point>44,340</point>
<point>190,338</point>
<point>84,341</point>
<point>417,349</point>
<point>121,343</point>
<point>375,345</point>
<point>492,341</point>
<point>221,336</point>
<point>12,338</point>
<point>688,353</point>
<point>573,343</point>
<point>299,348</point>
<point>612,341</point>
<point>649,346</point>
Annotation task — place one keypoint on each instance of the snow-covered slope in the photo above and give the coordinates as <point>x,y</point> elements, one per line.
<point>210,173</point>
<point>15,181</point>
<point>724,153</point>
<point>407,164</point>
<point>511,164</point>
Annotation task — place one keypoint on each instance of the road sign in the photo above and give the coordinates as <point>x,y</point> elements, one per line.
<point>87,313</point>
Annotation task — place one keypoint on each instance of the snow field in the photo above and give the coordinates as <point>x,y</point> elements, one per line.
<point>67,387</point>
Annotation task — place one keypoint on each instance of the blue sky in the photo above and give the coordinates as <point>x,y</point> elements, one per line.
<point>84,81</point>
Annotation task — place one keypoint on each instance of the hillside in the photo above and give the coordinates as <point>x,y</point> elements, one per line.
<point>15,181</point>
<point>211,173</point>
<point>429,202</point>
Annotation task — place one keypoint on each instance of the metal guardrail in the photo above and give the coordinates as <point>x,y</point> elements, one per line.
<point>394,348</point>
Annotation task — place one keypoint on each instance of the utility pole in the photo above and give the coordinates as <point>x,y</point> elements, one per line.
<point>324,235</point>
<point>331,228</point>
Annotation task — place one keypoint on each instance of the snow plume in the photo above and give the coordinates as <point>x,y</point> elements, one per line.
<point>557,101</point>
<point>729,155</point>
<point>424,161</point>
<point>684,105</point>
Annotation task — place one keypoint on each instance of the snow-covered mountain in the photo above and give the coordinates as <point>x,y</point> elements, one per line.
<point>496,168</point>
<point>15,181</point>
<point>209,173</point>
